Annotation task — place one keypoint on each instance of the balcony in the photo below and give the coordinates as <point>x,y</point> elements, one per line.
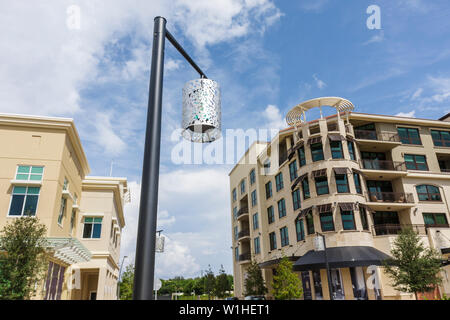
<point>380,201</point>
<point>377,141</point>
<point>394,229</point>
<point>243,212</point>
<point>245,257</point>
<point>243,234</point>
<point>383,169</point>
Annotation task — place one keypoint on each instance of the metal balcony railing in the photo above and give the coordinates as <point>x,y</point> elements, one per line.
<point>243,210</point>
<point>394,197</point>
<point>379,136</point>
<point>394,229</point>
<point>243,233</point>
<point>383,165</point>
<point>245,256</point>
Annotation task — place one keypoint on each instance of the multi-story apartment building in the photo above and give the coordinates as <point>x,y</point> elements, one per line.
<point>43,173</point>
<point>357,179</point>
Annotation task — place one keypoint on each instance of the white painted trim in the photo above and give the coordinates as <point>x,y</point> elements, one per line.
<point>86,214</point>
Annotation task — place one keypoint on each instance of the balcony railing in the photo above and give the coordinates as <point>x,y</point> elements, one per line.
<point>245,256</point>
<point>397,197</point>
<point>383,165</point>
<point>242,211</point>
<point>379,136</point>
<point>394,229</point>
<point>243,233</point>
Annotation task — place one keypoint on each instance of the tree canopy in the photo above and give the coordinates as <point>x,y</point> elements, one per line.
<point>254,282</point>
<point>286,284</point>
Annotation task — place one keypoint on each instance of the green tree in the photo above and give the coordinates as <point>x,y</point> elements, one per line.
<point>126,283</point>
<point>199,285</point>
<point>23,257</point>
<point>222,284</point>
<point>254,282</point>
<point>209,282</point>
<point>413,268</point>
<point>286,284</point>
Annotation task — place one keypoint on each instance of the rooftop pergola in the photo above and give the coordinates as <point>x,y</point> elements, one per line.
<point>297,114</point>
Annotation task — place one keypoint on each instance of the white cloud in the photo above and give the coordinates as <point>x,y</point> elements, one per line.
<point>274,117</point>
<point>319,83</point>
<point>417,94</point>
<point>111,143</point>
<point>410,114</point>
<point>379,37</point>
<point>313,5</point>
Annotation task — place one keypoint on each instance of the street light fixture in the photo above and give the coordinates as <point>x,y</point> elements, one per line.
<point>201,123</point>
<point>320,245</point>
<point>120,274</point>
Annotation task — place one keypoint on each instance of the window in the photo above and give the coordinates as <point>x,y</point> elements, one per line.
<point>267,167</point>
<point>302,156</point>
<point>72,220</point>
<point>279,181</point>
<point>255,221</point>
<point>435,220</point>
<point>24,201</point>
<point>273,241</point>
<point>441,138</point>
<point>416,162</point>
<point>281,208</point>
<point>268,189</point>
<point>409,135</point>
<point>336,150</point>
<point>300,230</point>
<point>305,187</point>
<point>234,194</point>
<point>254,198</point>
<point>317,152</point>
<point>342,183</point>
<point>236,254</point>
<point>257,245</point>
<point>270,215</point>
<point>235,232</point>
<point>92,228</point>
<point>357,181</point>
<point>252,177</point>
<point>309,223</point>
<point>321,185</point>
<point>62,210</point>
<point>293,170</point>
<point>326,221</point>
<point>66,184</point>
<point>284,236</point>
<point>29,173</point>
<point>363,215</point>
<point>351,150</point>
<point>296,199</point>
<point>428,193</point>
<point>242,186</point>
<point>348,220</point>
<point>235,213</point>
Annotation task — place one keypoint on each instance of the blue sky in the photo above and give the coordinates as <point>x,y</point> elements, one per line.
<point>267,56</point>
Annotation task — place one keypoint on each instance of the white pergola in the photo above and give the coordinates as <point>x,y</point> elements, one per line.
<point>69,250</point>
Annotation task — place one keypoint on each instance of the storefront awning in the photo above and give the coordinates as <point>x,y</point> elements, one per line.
<point>341,257</point>
<point>274,262</point>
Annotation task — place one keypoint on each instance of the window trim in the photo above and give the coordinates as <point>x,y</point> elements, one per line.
<point>415,162</point>
<point>29,173</point>
<point>409,138</point>
<point>24,202</point>
<point>92,230</point>
<point>428,193</point>
<point>435,225</point>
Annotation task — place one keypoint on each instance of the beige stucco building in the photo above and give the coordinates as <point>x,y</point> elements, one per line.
<point>357,179</point>
<point>43,173</point>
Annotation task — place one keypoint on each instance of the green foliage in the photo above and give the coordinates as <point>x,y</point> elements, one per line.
<point>209,282</point>
<point>222,284</point>
<point>254,282</point>
<point>286,284</point>
<point>413,268</point>
<point>126,283</point>
<point>23,258</point>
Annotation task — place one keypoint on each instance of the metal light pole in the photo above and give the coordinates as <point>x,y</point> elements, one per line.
<point>120,273</point>
<point>146,237</point>
<point>327,266</point>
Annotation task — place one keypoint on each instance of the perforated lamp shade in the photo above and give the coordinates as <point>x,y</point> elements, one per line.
<point>201,111</point>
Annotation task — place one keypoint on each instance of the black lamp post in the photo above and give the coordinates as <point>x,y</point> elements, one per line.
<point>146,237</point>
<point>327,266</point>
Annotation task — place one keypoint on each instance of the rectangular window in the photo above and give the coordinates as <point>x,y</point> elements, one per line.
<point>62,210</point>
<point>428,193</point>
<point>351,150</point>
<point>66,184</point>
<point>257,245</point>
<point>441,138</point>
<point>236,254</point>
<point>310,223</point>
<point>357,181</point>
<point>302,156</point>
<point>242,186</point>
<point>252,177</point>
<point>326,221</point>
<point>363,215</point>
<point>255,221</point>
<point>254,201</point>
<point>281,208</point>
<point>234,194</point>
<point>268,189</point>
<point>29,173</point>
<point>92,228</point>
<point>24,201</point>
<point>279,181</point>
<point>317,152</point>
<point>273,241</point>
<point>348,220</point>
<point>235,213</point>
<point>336,150</point>
<point>416,162</point>
<point>342,183</point>
<point>409,136</point>
<point>305,187</point>
<point>284,236</point>
<point>321,185</point>
<point>435,220</point>
<point>270,215</point>
<point>293,170</point>
<point>235,232</point>
<point>296,199</point>
<point>300,230</point>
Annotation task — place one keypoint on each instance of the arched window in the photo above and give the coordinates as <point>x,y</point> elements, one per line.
<point>428,193</point>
